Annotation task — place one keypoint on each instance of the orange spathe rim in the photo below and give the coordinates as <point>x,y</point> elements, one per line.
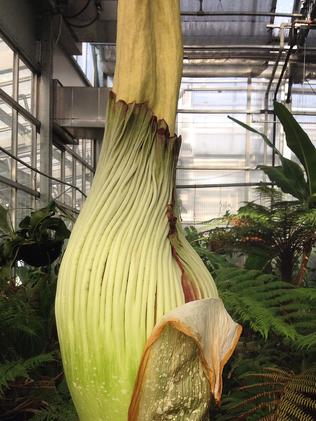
<point>181,327</point>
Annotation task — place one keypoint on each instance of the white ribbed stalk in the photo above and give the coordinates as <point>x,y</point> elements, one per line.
<point>118,275</point>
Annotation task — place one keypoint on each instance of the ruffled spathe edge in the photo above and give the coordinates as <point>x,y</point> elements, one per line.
<point>159,125</point>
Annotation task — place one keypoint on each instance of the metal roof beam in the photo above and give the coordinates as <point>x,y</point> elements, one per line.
<point>223,13</point>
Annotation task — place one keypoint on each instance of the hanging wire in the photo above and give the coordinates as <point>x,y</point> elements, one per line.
<point>304,71</point>
<point>221,5</point>
<point>40,172</point>
<point>60,25</point>
<point>86,24</point>
<point>201,11</point>
<point>287,58</point>
<point>98,7</point>
<point>312,89</point>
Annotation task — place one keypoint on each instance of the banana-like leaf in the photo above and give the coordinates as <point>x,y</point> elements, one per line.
<point>296,174</point>
<point>299,142</point>
<point>281,178</point>
<point>182,364</point>
<point>289,177</point>
<point>251,129</point>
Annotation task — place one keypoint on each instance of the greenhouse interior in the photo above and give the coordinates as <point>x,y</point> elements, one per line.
<point>157,210</point>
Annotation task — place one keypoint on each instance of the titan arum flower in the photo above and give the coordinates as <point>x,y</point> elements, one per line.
<point>143,333</point>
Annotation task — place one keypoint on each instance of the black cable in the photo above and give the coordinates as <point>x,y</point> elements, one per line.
<point>79,12</point>
<point>201,11</point>
<point>85,25</point>
<point>287,58</point>
<point>313,90</point>
<point>293,35</point>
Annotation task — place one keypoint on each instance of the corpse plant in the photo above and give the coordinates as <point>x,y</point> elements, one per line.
<point>143,333</point>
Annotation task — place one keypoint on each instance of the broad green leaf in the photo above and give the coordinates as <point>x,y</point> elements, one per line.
<point>296,174</point>
<point>40,215</point>
<point>251,129</point>
<point>25,223</point>
<point>299,142</point>
<point>5,273</point>
<point>284,180</point>
<point>57,225</point>
<point>312,200</point>
<point>5,221</point>
<point>9,249</point>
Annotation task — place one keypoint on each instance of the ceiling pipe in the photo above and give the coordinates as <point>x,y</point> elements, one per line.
<point>237,14</point>
<point>233,47</point>
<point>221,68</point>
<point>219,47</point>
<point>210,186</point>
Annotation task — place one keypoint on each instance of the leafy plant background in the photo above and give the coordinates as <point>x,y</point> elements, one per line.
<point>273,368</point>
<point>271,376</point>
<point>271,292</point>
<point>32,384</point>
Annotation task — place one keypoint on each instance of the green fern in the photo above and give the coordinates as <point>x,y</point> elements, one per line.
<point>276,238</point>
<point>281,394</point>
<point>58,407</point>
<point>307,341</point>
<point>31,377</point>
<point>13,370</point>
<point>279,321</point>
<point>264,303</point>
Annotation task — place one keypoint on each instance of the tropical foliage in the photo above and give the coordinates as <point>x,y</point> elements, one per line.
<point>272,375</point>
<point>290,177</point>
<point>32,384</point>
<point>287,396</point>
<point>276,237</point>
<point>37,241</point>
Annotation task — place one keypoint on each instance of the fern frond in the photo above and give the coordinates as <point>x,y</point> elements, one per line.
<point>283,394</point>
<point>264,303</point>
<point>301,400</point>
<point>289,408</point>
<point>10,371</point>
<point>258,396</point>
<point>307,341</point>
<point>271,404</point>
<point>307,293</point>
<point>278,371</point>
<point>18,316</point>
<point>270,417</point>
